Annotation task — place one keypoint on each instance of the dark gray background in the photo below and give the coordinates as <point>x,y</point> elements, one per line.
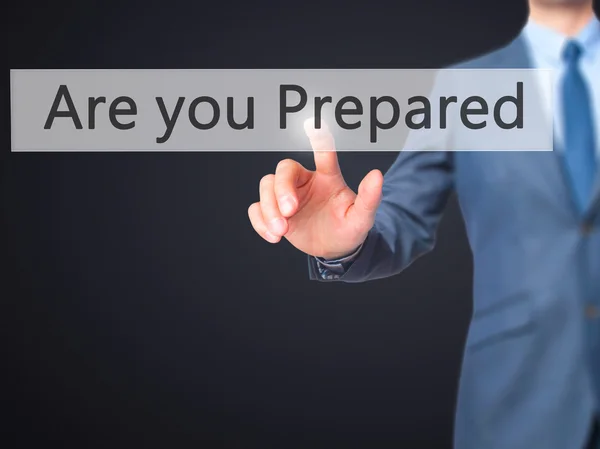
<point>139,309</point>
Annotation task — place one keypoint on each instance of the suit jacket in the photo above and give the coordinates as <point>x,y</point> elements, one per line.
<point>526,379</point>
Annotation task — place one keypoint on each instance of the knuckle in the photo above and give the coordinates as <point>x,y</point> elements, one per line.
<point>342,195</point>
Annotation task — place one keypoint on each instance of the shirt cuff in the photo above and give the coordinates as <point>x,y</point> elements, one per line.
<point>335,268</point>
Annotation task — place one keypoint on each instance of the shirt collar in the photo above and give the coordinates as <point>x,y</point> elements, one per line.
<point>549,43</point>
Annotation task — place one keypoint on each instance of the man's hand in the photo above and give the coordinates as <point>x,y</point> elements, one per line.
<point>315,210</point>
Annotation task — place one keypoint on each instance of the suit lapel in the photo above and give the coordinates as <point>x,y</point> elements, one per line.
<point>547,167</point>
<point>516,55</point>
<point>595,201</point>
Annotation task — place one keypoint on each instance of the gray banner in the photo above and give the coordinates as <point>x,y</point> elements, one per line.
<point>264,110</point>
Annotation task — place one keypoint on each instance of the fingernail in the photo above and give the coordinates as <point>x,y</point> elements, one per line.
<point>277,226</point>
<point>287,204</point>
<point>271,238</point>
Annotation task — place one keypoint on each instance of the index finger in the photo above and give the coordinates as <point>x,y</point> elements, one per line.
<point>323,145</point>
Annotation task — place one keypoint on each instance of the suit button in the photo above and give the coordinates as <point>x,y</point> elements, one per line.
<point>586,228</point>
<point>592,312</point>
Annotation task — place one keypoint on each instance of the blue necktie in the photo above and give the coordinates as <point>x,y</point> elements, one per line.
<point>579,148</point>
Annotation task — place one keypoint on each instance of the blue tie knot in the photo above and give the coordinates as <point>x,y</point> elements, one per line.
<point>572,51</point>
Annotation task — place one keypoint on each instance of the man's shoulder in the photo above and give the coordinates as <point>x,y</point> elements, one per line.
<point>510,54</point>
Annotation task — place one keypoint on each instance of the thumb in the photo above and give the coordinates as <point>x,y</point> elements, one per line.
<point>362,212</point>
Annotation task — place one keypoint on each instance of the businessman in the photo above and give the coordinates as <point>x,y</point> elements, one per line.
<point>530,376</point>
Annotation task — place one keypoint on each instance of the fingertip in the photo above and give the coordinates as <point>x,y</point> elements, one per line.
<point>252,210</point>
<point>271,238</point>
<point>372,180</point>
<point>370,191</point>
<point>313,132</point>
<point>308,126</point>
<point>278,226</point>
<point>376,178</point>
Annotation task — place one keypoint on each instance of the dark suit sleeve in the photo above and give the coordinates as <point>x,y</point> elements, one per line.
<point>415,192</point>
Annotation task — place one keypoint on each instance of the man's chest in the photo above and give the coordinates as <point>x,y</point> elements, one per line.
<point>529,186</point>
